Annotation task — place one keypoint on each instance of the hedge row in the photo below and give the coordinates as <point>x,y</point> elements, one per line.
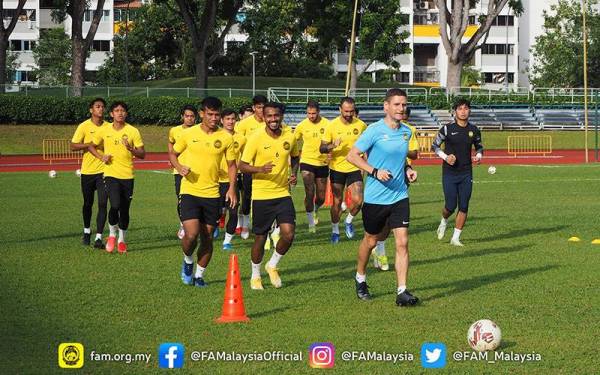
<point>17,109</point>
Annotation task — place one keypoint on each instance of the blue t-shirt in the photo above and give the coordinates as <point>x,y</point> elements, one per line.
<point>386,149</point>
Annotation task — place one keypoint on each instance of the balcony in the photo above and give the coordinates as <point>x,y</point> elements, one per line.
<point>426,76</point>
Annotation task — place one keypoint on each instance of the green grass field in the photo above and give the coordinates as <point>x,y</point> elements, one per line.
<point>517,269</point>
<point>155,138</point>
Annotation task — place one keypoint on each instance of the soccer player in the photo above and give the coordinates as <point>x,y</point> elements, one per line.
<point>228,118</point>
<point>386,193</point>
<point>267,155</point>
<point>205,146</point>
<point>339,137</point>
<point>380,259</point>
<point>313,163</point>
<point>457,170</point>
<point>245,111</point>
<point>122,142</point>
<point>188,119</point>
<point>91,172</point>
<point>244,128</point>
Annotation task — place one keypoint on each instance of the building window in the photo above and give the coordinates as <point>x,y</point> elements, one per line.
<point>24,15</point>
<point>497,49</point>
<point>472,20</point>
<point>101,45</point>
<point>497,77</point>
<point>22,45</point>
<point>89,14</point>
<point>24,76</point>
<point>404,77</point>
<point>504,21</point>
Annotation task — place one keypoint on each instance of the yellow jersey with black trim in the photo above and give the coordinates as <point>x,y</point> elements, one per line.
<point>239,141</point>
<point>348,133</point>
<point>204,152</point>
<point>85,134</point>
<point>260,149</point>
<point>311,134</point>
<point>121,163</point>
<point>413,142</point>
<point>248,125</point>
<point>174,134</point>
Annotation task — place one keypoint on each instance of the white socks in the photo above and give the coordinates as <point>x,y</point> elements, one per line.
<point>188,259</point>
<point>113,230</point>
<point>349,218</point>
<point>256,270</point>
<point>401,289</point>
<point>311,219</point>
<point>360,278</point>
<point>444,221</point>
<point>380,248</point>
<point>245,221</point>
<point>199,272</point>
<point>275,258</point>
<point>228,238</point>
<point>98,236</point>
<point>87,230</point>
<point>335,228</point>
<point>122,233</point>
<point>456,235</point>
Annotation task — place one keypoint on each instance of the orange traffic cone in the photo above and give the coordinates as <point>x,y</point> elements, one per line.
<point>328,196</point>
<point>348,198</point>
<point>233,305</point>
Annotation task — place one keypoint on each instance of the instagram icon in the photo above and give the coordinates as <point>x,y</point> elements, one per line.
<point>321,355</point>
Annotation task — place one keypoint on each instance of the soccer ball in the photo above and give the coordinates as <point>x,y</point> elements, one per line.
<point>491,169</point>
<point>484,335</point>
<point>78,173</point>
<point>52,173</point>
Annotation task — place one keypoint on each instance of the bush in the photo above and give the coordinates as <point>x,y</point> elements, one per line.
<point>17,109</point>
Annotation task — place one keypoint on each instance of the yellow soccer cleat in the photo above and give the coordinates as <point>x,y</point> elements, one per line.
<point>383,262</point>
<point>268,244</point>
<point>273,276</point>
<point>256,283</point>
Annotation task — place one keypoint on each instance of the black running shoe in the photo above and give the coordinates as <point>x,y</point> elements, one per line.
<point>86,239</point>
<point>362,291</point>
<point>406,299</point>
<point>98,244</point>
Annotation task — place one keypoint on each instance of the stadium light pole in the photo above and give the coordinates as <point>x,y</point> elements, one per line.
<point>253,53</point>
<point>351,54</point>
<point>585,83</point>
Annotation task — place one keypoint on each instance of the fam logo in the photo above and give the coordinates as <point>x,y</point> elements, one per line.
<point>470,134</point>
<point>236,144</point>
<point>70,355</point>
<point>286,145</point>
<point>355,131</point>
<point>218,144</point>
<point>405,137</point>
<point>322,130</point>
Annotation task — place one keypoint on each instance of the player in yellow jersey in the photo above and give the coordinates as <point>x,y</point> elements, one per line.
<point>245,111</point>
<point>204,146</point>
<point>91,172</point>
<point>189,115</point>
<point>380,259</point>
<point>267,155</point>
<point>313,164</point>
<point>228,117</point>
<point>244,128</point>
<point>122,142</point>
<point>339,137</point>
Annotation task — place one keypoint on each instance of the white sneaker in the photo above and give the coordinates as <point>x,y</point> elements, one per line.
<point>245,233</point>
<point>441,231</point>
<point>456,242</point>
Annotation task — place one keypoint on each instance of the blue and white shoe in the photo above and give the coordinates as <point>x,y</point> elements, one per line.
<point>200,283</point>
<point>349,230</point>
<point>216,232</point>
<point>227,246</point>
<point>186,273</point>
<point>335,237</point>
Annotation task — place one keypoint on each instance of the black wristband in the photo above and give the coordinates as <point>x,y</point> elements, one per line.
<point>374,173</point>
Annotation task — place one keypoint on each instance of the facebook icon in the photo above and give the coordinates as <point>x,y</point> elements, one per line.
<point>170,355</point>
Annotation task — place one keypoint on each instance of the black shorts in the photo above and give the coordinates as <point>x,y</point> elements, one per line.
<point>206,210</point>
<point>178,178</point>
<point>119,190</point>
<point>345,179</point>
<point>223,187</point>
<point>92,182</point>
<point>376,216</point>
<point>265,212</point>
<point>319,172</point>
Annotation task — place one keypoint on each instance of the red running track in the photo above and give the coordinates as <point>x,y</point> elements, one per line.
<point>159,161</point>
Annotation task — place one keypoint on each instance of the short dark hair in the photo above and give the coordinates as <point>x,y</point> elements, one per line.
<point>119,103</point>
<point>95,100</point>
<point>189,107</point>
<point>313,104</point>
<point>245,108</point>
<point>279,106</point>
<point>259,99</point>
<point>394,92</point>
<point>407,111</point>
<point>210,102</point>
<point>227,112</point>
<point>346,99</point>
<point>460,102</point>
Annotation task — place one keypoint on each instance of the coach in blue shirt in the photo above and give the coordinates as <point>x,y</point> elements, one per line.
<point>386,193</point>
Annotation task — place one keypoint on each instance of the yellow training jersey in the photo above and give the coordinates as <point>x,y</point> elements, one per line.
<point>121,164</point>
<point>248,125</point>
<point>85,134</point>
<point>174,134</point>
<point>348,133</point>
<point>239,141</point>
<point>260,149</point>
<point>311,135</point>
<point>413,142</point>
<point>204,153</point>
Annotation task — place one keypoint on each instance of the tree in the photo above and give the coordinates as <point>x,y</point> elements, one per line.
<point>52,55</point>
<point>453,24</point>
<point>207,22</point>
<point>4,35</point>
<point>80,45</point>
<point>470,76</point>
<point>558,53</point>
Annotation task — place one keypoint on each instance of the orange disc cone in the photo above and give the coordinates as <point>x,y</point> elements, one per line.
<point>348,198</point>
<point>328,196</point>
<point>233,305</point>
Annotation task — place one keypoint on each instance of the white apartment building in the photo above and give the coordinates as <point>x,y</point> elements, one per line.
<point>36,16</point>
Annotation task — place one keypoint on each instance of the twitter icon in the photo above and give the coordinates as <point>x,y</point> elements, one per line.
<point>433,355</point>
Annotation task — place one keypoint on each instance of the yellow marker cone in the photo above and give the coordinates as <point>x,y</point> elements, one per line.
<point>574,239</point>
<point>596,241</point>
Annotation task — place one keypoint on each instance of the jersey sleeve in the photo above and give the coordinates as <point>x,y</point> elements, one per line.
<point>439,139</point>
<point>98,138</point>
<point>413,143</point>
<point>230,152</point>
<point>137,139</point>
<point>477,140</point>
<point>250,150</point>
<point>181,144</point>
<point>298,131</point>
<point>365,141</point>
<point>79,135</point>
<point>328,135</point>
<point>172,135</point>
<point>294,152</point>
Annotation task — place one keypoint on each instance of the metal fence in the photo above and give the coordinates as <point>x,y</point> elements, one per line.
<point>301,95</point>
<point>565,95</point>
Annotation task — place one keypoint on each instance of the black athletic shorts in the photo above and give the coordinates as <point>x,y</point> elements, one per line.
<point>178,178</point>
<point>207,210</point>
<point>92,182</point>
<point>346,179</point>
<point>376,216</point>
<point>223,187</point>
<point>319,172</point>
<point>265,212</point>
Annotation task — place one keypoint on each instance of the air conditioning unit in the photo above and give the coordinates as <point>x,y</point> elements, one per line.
<point>423,5</point>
